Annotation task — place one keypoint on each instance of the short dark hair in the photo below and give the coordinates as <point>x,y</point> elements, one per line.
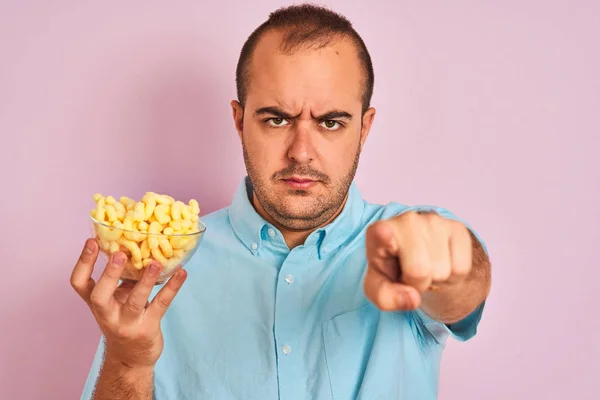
<point>305,26</point>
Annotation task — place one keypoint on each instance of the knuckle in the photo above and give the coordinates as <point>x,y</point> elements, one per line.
<point>148,280</point>
<point>85,257</point>
<point>458,226</point>
<point>418,272</point>
<point>134,306</point>
<point>95,299</point>
<point>163,302</point>
<point>441,275</point>
<point>414,216</point>
<point>461,269</point>
<point>410,215</point>
<point>419,279</point>
<point>174,285</point>
<point>432,217</point>
<point>75,284</point>
<point>442,272</point>
<point>379,252</point>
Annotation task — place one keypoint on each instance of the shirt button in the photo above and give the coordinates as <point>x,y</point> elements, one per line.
<point>287,349</point>
<point>271,232</point>
<point>325,249</point>
<point>254,246</point>
<point>289,278</point>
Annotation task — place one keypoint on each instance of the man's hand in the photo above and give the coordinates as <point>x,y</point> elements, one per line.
<point>131,325</point>
<point>416,254</point>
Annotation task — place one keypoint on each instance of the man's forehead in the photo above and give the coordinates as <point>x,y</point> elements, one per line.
<point>294,100</point>
<point>315,77</point>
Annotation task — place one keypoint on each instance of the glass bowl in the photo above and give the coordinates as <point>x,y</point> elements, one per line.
<point>172,251</point>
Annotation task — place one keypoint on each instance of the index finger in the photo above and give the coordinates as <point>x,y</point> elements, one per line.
<point>102,297</point>
<point>382,249</point>
<point>81,277</point>
<point>388,295</point>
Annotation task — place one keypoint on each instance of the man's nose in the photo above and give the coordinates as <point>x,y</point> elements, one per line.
<point>301,148</point>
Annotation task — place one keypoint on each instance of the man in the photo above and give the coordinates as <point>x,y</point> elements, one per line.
<point>300,289</point>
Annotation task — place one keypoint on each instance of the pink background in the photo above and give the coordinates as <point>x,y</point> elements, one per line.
<point>488,109</point>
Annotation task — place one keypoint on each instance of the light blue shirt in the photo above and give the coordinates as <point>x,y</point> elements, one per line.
<point>255,320</point>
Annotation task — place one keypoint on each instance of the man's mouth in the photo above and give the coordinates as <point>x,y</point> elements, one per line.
<point>299,182</point>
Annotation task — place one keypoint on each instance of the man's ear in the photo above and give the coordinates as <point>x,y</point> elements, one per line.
<point>367,123</point>
<point>238,116</point>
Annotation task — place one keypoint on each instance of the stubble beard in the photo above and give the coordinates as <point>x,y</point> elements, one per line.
<point>317,212</point>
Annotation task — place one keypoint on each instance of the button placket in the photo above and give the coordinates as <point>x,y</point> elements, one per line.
<point>288,322</point>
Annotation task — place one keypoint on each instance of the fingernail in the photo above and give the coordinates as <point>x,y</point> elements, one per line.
<point>89,246</point>
<point>180,275</point>
<point>153,269</point>
<point>119,258</point>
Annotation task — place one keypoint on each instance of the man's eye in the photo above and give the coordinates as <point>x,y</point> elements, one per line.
<point>331,125</point>
<point>277,121</point>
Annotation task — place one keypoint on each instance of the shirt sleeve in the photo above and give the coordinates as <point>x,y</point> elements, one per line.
<point>466,328</point>
<point>462,330</point>
<point>90,383</point>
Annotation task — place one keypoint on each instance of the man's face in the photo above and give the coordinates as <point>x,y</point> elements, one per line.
<point>302,130</point>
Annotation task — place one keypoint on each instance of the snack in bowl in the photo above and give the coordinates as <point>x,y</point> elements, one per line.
<point>157,227</point>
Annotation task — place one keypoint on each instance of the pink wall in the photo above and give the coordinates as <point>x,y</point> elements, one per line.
<point>489,110</point>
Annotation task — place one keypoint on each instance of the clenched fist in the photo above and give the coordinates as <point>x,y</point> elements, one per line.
<point>413,253</point>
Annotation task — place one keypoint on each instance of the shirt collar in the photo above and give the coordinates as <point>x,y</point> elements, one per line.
<point>248,224</point>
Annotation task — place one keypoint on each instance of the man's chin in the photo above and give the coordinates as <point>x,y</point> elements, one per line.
<point>298,211</point>
<point>297,194</point>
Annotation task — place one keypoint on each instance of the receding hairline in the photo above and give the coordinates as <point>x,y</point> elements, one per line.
<point>295,38</point>
<point>306,25</point>
<point>300,37</point>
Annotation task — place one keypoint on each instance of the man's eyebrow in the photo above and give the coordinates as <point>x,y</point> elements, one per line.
<point>279,113</point>
<point>335,114</point>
